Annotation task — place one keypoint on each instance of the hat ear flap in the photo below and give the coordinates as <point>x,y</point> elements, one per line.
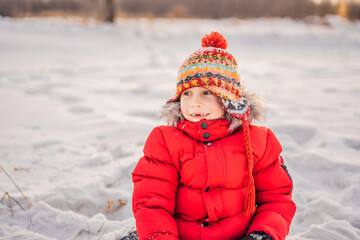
<point>238,108</point>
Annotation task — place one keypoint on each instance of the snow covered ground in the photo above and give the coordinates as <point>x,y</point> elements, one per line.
<point>78,101</point>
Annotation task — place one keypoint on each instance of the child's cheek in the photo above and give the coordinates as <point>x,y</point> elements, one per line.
<point>183,108</point>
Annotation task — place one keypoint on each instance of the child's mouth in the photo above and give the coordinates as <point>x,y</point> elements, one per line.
<point>199,115</point>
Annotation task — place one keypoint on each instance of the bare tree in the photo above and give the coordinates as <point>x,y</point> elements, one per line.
<point>109,11</point>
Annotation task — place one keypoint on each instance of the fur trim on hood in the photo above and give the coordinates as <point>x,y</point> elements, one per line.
<point>171,111</point>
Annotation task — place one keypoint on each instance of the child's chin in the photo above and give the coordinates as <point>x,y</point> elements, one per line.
<point>198,119</point>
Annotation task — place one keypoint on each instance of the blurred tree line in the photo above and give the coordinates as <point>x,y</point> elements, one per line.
<point>107,10</point>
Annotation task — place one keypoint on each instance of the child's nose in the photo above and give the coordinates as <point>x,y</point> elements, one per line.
<point>196,101</point>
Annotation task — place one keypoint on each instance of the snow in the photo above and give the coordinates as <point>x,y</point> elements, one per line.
<point>77,102</point>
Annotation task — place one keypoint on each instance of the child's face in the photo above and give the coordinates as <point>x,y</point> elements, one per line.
<point>199,103</point>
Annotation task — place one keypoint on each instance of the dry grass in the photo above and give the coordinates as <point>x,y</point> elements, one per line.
<point>9,197</point>
<point>110,206</point>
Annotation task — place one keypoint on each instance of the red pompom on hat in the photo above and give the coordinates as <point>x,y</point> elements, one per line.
<point>214,39</point>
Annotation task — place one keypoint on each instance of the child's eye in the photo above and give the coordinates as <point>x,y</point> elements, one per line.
<point>207,93</point>
<point>185,93</point>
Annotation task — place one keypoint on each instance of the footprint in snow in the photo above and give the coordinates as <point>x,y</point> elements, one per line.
<point>300,134</point>
<point>352,143</point>
<point>70,99</point>
<point>80,110</point>
<point>150,114</point>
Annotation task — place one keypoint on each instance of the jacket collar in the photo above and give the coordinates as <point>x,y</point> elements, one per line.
<point>205,130</point>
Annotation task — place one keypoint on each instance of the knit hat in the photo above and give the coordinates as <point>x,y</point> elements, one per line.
<point>212,67</point>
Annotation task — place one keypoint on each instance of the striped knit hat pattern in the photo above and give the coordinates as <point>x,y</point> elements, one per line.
<point>212,67</point>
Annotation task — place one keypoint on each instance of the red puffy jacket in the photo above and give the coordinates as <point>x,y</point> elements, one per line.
<point>188,187</point>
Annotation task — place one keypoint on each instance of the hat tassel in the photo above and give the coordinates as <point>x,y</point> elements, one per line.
<point>249,204</point>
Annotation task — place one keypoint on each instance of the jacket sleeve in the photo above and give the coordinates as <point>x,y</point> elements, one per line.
<point>275,208</point>
<point>155,180</point>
